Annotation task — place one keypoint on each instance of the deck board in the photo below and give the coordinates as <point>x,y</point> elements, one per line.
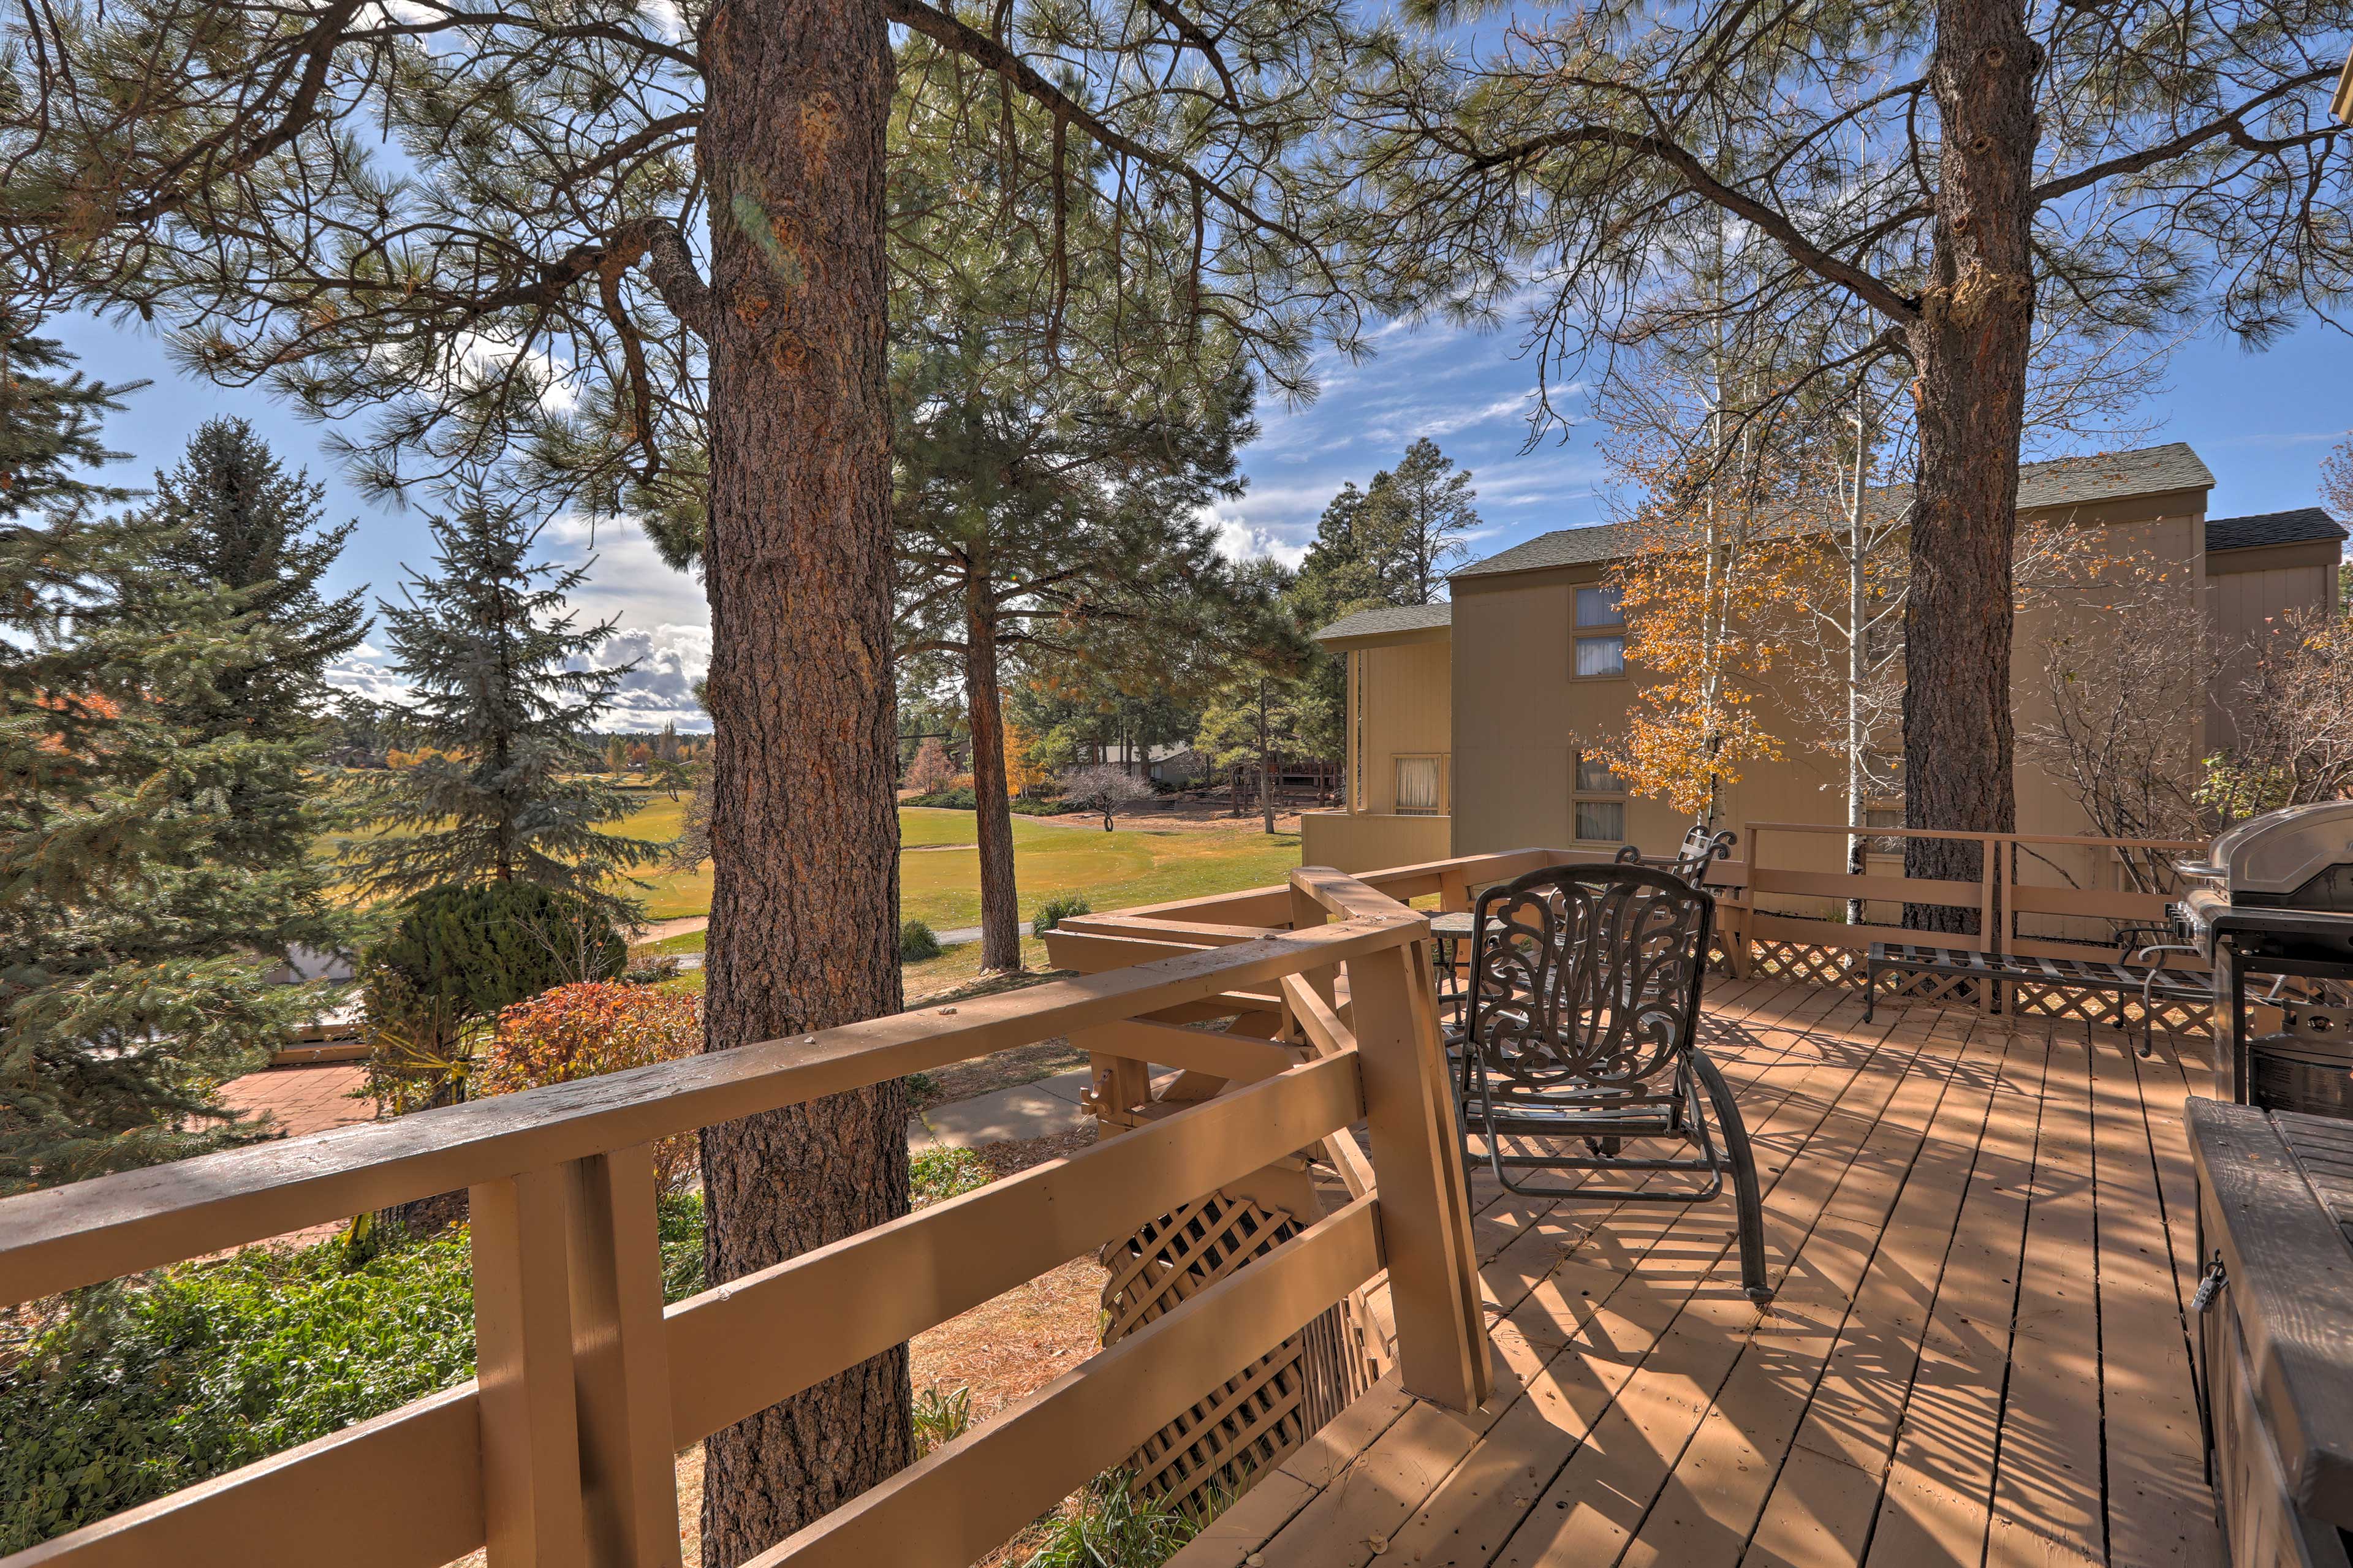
<point>1980,1235</point>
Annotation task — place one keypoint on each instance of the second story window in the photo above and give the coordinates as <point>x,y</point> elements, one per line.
<point>1600,651</point>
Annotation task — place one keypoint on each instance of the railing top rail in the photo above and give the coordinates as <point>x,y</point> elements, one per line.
<point>1342,897</point>
<point>1492,866</point>
<point>112,1225</point>
<point>2092,841</point>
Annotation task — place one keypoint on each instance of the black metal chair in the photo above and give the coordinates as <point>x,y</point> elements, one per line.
<point>1689,862</point>
<point>1582,1025</point>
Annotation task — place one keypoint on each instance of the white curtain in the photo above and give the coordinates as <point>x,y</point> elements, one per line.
<point>1417,786</point>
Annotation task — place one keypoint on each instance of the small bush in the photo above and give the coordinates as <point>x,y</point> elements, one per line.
<point>960,798</point>
<point>597,1027</point>
<point>187,1373</point>
<point>1114,1528</point>
<point>917,942</point>
<point>940,1418</point>
<point>936,1173</point>
<point>143,1391</point>
<point>1057,910</point>
<point>458,955</point>
<point>652,969</point>
<point>680,1214</point>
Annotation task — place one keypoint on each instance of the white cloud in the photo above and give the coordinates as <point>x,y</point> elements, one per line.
<point>363,672</point>
<point>1238,538</point>
<point>1403,420</point>
<point>670,659</point>
<point>626,575</point>
<point>484,354</point>
<point>2284,438</point>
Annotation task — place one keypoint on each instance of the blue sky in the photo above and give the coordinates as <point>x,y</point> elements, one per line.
<point>2262,421</point>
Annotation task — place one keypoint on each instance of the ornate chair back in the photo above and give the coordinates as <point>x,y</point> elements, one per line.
<point>1690,858</point>
<point>1586,986</point>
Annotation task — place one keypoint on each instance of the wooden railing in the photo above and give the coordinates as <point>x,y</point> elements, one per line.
<point>1999,896</point>
<point>1750,932</point>
<point>560,1451</point>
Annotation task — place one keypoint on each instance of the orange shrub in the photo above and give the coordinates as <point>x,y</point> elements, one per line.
<point>596,1026</point>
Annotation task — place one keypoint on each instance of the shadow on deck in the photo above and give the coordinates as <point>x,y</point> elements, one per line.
<point>1982,1233</point>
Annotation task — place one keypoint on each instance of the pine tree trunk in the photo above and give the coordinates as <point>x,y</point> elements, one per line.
<point>1265,764</point>
<point>1970,347</point>
<point>1000,908</point>
<point>804,830</point>
<point>1858,803</point>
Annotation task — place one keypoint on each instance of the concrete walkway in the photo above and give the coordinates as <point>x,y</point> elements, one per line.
<point>302,1098</point>
<point>312,1098</point>
<point>1038,1109</point>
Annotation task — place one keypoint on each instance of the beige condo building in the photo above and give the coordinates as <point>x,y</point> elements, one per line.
<point>1465,718</point>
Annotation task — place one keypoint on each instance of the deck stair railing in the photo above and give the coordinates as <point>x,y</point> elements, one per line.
<point>560,1451</point>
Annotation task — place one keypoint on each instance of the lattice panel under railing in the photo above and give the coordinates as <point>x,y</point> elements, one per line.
<point>1818,963</point>
<point>1245,1427</point>
<point>1807,963</point>
<point>2106,1009</point>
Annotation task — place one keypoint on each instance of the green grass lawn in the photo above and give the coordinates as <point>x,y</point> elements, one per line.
<point>940,880</point>
<point>1109,870</point>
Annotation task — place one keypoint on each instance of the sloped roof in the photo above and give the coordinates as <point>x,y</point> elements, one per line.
<point>2300,526</point>
<point>2111,475</point>
<point>1566,547</point>
<point>2062,481</point>
<point>1386,619</point>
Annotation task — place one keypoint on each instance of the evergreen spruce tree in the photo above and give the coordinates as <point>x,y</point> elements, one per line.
<point>1412,523</point>
<point>1339,575</point>
<point>137,926</point>
<point>231,514</point>
<point>507,693</point>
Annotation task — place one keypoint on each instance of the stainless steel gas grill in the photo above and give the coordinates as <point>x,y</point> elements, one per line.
<point>2277,901</point>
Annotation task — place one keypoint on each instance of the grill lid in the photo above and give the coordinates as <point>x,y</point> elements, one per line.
<point>2279,851</point>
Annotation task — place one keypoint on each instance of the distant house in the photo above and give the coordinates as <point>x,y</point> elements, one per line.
<point>1461,716</point>
<point>1177,764</point>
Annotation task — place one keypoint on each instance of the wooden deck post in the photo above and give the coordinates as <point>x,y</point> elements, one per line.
<point>523,1332</point>
<point>1306,914</point>
<point>1425,1214</point>
<point>621,1360</point>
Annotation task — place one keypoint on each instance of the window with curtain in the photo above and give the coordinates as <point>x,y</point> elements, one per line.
<point>1417,786</point>
<point>1600,657</point>
<point>1598,607</point>
<point>1598,820</point>
<point>1601,821</point>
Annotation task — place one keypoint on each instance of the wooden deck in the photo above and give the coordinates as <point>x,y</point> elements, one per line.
<point>1983,1238</point>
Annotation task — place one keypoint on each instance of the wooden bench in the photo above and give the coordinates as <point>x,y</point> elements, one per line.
<point>2151,983</point>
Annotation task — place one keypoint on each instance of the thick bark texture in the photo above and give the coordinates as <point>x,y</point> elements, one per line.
<point>804,834</point>
<point>1265,763</point>
<point>1970,347</point>
<point>1000,909</point>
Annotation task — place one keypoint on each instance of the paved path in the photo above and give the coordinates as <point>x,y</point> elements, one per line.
<point>303,1099</point>
<point>663,929</point>
<point>312,1098</point>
